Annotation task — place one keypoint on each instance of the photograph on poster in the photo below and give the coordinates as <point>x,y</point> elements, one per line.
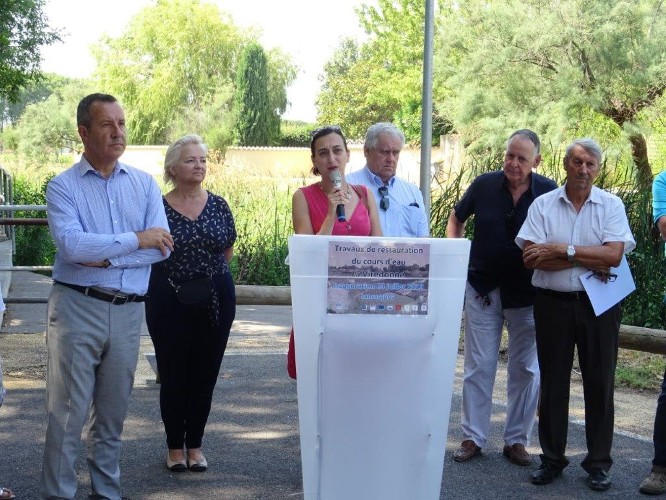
<point>378,278</point>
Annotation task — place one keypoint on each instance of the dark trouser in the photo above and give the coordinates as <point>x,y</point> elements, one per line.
<point>659,437</point>
<point>189,351</point>
<point>561,324</point>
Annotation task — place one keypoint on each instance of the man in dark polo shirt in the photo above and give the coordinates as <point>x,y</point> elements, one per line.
<point>499,291</point>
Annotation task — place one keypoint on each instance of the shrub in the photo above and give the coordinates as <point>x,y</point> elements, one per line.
<point>263,222</point>
<point>34,245</point>
<point>295,134</point>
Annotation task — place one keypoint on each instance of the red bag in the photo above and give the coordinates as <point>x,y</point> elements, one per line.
<point>291,356</point>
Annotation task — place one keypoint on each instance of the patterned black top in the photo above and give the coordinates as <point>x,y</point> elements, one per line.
<point>199,245</point>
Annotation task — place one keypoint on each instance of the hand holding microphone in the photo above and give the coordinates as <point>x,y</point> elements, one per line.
<point>336,179</point>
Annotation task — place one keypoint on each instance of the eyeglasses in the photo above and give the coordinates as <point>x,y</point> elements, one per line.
<point>384,201</point>
<point>603,277</point>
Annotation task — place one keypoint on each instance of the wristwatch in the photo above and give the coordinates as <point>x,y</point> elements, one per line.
<point>571,253</point>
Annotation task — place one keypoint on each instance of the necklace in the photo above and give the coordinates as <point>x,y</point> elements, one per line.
<point>347,192</point>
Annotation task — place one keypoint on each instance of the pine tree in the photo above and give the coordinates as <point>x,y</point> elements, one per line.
<point>257,123</point>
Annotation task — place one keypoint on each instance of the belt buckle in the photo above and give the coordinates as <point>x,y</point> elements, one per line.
<point>121,299</point>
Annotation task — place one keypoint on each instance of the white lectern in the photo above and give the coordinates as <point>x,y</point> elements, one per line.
<point>376,323</point>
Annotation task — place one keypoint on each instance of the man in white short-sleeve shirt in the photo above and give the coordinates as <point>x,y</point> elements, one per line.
<point>568,232</point>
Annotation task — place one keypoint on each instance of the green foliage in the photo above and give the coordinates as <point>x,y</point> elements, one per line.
<point>257,124</point>
<point>34,245</point>
<point>281,74</point>
<point>381,79</point>
<point>263,223</point>
<point>645,306</point>
<point>216,122</point>
<point>33,93</point>
<point>23,31</point>
<point>173,58</point>
<point>47,128</point>
<point>174,69</point>
<point>520,63</point>
<point>295,134</point>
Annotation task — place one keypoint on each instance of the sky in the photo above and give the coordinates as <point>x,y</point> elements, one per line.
<point>308,30</point>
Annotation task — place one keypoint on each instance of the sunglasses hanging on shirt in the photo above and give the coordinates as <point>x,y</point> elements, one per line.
<point>384,198</point>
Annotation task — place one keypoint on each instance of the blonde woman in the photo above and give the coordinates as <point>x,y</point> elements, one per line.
<point>191,303</point>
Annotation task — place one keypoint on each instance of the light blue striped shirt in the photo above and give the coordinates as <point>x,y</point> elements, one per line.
<point>405,215</point>
<point>92,218</point>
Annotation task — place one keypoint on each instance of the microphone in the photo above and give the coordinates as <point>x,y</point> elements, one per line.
<point>336,179</point>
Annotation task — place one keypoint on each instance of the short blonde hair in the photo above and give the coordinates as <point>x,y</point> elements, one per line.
<point>173,153</point>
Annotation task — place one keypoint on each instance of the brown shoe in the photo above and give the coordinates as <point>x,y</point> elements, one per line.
<point>517,454</point>
<point>654,484</point>
<point>467,450</point>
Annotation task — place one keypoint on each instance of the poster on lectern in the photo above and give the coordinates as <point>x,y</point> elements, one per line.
<point>383,277</point>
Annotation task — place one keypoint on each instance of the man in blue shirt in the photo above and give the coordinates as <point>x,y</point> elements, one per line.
<point>499,290</point>
<point>655,483</point>
<point>108,223</point>
<point>399,203</point>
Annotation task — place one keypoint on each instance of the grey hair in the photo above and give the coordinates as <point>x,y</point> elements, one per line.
<point>173,153</point>
<point>588,144</point>
<point>373,132</point>
<point>530,135</point>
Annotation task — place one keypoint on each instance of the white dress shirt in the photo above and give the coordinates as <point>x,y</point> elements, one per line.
<point>552,218</point>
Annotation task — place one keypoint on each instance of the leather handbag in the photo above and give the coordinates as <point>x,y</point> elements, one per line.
<point>194,292</point>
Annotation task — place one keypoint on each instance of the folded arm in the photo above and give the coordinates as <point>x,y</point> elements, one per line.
<point>127,249</point>
<point>553,256</point>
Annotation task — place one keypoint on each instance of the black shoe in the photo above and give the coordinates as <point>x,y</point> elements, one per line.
<point>545,474</point>
<point>598,480</point>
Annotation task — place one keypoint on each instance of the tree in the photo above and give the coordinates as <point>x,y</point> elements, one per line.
<point>347,97</point>
<point>23,30</point>
<point>570,67</point>
<point>380,80</point>
<point>174,60</point>
<point>258,124</point>
<point>47,128</point>
<point>215,121</point>
<point>281,74</point>
<point>33,93</point>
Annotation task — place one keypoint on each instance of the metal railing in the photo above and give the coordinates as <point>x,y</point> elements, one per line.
<point>631,337</point>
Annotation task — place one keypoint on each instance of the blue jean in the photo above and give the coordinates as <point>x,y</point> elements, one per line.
<point>659,437</point>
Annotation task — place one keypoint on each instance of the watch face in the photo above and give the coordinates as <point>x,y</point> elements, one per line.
<point>571,251</point>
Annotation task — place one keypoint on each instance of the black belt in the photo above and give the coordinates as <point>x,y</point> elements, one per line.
<point>117,298</point>
<point>563,295</point>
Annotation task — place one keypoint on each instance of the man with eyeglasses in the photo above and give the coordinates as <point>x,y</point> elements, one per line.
<point>499,292</point>
<point>399,203</point>
<point>568,232</point>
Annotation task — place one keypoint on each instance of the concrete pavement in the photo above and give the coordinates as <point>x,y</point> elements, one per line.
<point>251,440</point>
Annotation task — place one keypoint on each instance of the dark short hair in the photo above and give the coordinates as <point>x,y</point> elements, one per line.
<point>321,132</point>
<point>530,135</point>
<point>83,110</point>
